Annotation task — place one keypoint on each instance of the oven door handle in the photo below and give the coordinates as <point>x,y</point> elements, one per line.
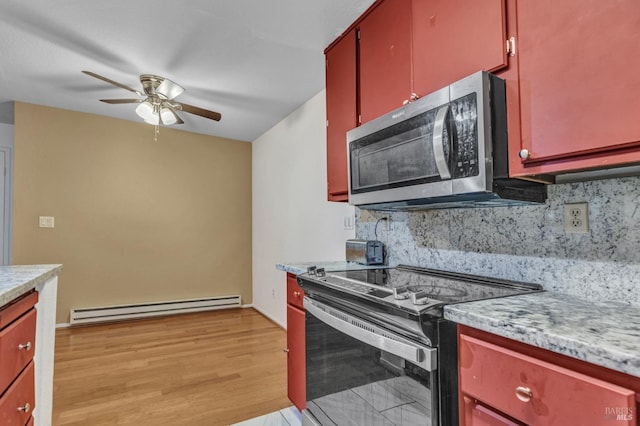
<point>373,335</point>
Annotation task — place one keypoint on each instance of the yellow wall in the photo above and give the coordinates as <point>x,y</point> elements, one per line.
<point>135,220</point>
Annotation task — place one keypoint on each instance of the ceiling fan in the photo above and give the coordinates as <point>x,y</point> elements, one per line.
<point>157,105</point>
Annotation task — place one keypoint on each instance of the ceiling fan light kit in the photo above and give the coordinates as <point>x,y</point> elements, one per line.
<point>158,106</point>
<point>145,110</point>
<point>167,116</point>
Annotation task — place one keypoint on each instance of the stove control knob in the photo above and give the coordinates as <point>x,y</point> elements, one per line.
<point>311,270</point>
<point>400,293</point>
<point>418,298</point>
<point>320,272</point>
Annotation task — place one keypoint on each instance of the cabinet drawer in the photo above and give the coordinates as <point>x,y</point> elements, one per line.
<point>478,415</point>
<point>17,404</point>
<point>539,393</point>
<point>17,345</point>
<point>294,292</point>
<point>14,309</point>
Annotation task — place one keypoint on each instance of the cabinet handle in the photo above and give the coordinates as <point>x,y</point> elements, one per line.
<point>524,394</point>
<point>285,350</point>
<point>26,408</point>
<point>524,154</point>
<point>27,346</point>
<point>296,294</point>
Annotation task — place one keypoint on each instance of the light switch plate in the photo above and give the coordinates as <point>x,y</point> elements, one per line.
<point>46,222</point>
<point>348,223</point>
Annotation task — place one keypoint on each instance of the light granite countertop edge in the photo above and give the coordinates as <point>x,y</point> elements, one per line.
<point>19,279</point>
<point>524,326</point>
<point>298,268</point>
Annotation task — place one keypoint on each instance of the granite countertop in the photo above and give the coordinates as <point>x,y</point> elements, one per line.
<point>297,268</point>
<point>602,333</point>
<point>17,280</point>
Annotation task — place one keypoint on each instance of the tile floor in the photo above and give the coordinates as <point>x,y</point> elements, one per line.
<point>287,417</point>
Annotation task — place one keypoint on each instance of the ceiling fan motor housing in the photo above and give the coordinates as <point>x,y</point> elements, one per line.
<point>156,86</point>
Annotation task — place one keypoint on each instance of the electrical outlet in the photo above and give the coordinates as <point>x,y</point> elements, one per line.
<point>576,218</point>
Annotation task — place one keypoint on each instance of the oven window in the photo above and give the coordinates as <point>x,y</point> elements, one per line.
<point>350,382</point>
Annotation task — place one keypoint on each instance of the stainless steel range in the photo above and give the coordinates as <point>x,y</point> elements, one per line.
<point>378,350</point>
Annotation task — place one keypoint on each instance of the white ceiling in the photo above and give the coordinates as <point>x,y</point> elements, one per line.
<point>254,61</point>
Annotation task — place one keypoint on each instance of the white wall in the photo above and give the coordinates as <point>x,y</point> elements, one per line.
<point>292,221</point>
<point>6,134</point>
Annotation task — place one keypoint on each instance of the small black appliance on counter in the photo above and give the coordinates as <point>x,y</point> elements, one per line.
<point>365,252</point>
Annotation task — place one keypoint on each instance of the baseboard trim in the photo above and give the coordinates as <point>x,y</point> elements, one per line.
<point>63,325</point>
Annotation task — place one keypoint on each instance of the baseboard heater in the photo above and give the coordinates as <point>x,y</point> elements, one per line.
<point>153,309</point>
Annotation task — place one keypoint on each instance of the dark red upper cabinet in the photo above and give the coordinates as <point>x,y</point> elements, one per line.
<point>385,58</point>
<point>341,111</point>
<point>579,85</point>
<point>455,38</point>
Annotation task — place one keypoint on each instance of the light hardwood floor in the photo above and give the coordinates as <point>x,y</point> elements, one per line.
<point>213,368</point>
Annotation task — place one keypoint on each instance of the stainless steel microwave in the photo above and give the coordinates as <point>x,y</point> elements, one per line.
<point>447,149</point>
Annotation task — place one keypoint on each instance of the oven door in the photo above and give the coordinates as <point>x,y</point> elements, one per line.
<point>360,373</point>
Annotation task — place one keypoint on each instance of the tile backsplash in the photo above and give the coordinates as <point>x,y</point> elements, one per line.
<point>528,243</point>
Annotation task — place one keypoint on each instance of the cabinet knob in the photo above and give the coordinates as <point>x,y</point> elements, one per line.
<point>25,408</point>
<point>524,394</point>
<point>26,346</point>
<point>285,350</point>
<point>524,154</point>
<point>296,294</point>
<point>413,97</point>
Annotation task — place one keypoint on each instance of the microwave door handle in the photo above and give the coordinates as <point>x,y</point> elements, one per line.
<point>438,143</point>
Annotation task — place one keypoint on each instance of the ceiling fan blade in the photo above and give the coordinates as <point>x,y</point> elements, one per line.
<point>198,111</point>
<point>178,118</point>
<point>115,83</point>
<point>121,101</point>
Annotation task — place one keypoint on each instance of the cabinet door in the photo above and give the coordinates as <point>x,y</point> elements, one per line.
<point>296,380</point>
<point>18,402</point>
<point>579,84</point>
<point>385,58</point>
<point>17,346</point>
<point>455,38</point>
<point>340,62</point>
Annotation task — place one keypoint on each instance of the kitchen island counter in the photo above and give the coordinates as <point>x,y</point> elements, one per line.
<point>16,281</point>
<point>604,334</point>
